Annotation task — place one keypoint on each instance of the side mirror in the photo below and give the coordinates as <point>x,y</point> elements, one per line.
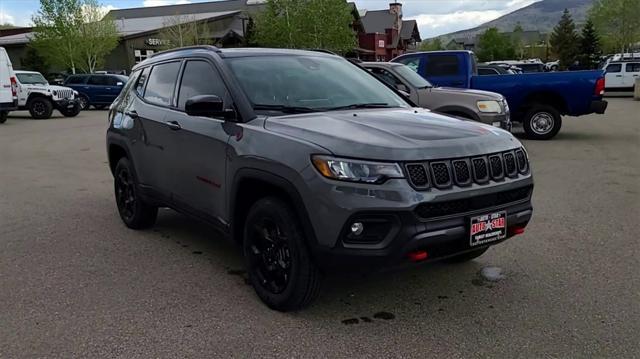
<point>207,106</point>
<point>119,83</point>
<point>402,88</point>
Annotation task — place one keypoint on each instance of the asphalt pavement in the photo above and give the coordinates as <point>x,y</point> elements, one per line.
<point>74,282</point>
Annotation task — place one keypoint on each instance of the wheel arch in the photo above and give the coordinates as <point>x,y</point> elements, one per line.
<point>116,151</point>
<point>459,111</point>
<point>34,95</point>
<point>549,98</point>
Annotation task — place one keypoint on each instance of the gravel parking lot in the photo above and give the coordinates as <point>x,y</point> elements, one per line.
<point>74,282</point>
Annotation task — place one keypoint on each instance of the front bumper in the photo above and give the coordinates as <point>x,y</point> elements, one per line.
<point>492,119</point>
<point>66,104</point>
<point>599,106</point>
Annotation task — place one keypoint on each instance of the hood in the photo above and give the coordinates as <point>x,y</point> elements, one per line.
<point>475,93</point>
<point>393,134</point>
<point>59,88</point>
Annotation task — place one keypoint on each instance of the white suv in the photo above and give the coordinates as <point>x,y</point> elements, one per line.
<point>36,95</point>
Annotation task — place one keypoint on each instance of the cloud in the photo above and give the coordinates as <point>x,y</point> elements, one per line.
<point>6,18</point>
<point>149,3</point>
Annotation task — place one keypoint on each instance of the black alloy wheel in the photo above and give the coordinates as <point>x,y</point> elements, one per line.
<point>269,255</point>
<point>134,211</point>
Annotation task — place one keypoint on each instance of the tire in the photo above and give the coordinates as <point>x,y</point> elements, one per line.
<point>83,101</point>
<point>99,107</point>
<point>542,122</point>
<point>134,211</point>
<point>73,112</point>
<point>3,116</point>
<point>468,256</point>
<point>278,261</point>
<point>40,108</point>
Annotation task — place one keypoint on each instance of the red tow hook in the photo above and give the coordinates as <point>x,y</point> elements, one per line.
<point>516,230</point>
<point>418,256</point>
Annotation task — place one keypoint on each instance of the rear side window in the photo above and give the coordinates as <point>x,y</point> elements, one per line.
<point>614,68</point>
<point>141,81</point>
<point>413,62</point>
<point>633,67</point>
<point>200,78</point>
<point>75,80</point>
<point>442,65</point>
<point>161,83</point>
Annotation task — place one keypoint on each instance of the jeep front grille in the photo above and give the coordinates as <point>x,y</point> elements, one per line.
<point>443,174</point>
<point>431,210</point>
<point>65,94</point>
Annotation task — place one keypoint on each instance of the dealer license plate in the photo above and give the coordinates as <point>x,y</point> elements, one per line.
<point>488,228</point>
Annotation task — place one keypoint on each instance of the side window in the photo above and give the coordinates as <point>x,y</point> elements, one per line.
<point>412,61</point>
<point>161,83</point>
<point>97,80</point>
<point>74,80</point>
<point>141,81</point>
<point>111,80</point>
<point>443,65</point>
<point>200,78</point>
<point>633,67</point>
<point>614,68</point>
<point>386,76</point>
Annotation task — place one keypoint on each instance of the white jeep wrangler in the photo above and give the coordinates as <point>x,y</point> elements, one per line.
<point>36,95</point>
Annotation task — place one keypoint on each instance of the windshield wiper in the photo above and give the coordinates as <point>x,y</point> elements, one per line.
<point>360,105</point>
<point>284,109</point>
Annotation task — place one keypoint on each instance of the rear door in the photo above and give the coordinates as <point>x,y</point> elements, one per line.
<point>200,178</point>
<point>98,89</point>
<point>631,73</point>
<point>614,77</point>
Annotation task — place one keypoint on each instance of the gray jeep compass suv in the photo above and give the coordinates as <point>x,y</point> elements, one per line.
<point>311,164</point>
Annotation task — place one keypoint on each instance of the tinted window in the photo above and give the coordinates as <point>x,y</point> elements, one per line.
<point>485,71</point>
<point>98,80</point>
<point>386,76</point>
<point>112,80</point>
<point>199,78</point>
<point>161,82</point>
<point>413,62</point>
<point>442,65</point>
<point>614,68</point>
<point>633,67</point>
<point>75,80</point>
<point>141,81</point>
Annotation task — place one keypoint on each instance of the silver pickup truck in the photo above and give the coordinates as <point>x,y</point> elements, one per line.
<point>482,106</point>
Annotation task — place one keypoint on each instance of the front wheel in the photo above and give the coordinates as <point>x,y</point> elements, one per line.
<point>83,101</point>
<point>278,261</point>
<point>40,108</point>
<point>542,122</point>
<point>3,116</point>
<point>70,112</point>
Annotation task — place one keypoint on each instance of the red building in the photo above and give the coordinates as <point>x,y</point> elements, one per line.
<point>385,35</point>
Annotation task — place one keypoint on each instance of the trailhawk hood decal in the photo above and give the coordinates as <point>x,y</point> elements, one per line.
<point>393,134</point>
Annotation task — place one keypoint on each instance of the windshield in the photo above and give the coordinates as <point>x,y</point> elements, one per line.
<point>309,83</point>
<point>31,79</point>
<point>414,79</point>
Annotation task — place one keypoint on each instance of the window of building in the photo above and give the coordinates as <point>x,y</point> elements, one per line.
<point>614,68</point>
<point>141,55</point>
<point>442,65</point>
<point>200,78</point>
<point>633,67</point>
<point>161,83</point>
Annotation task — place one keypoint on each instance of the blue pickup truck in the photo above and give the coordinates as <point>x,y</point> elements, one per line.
<point>538,100</point>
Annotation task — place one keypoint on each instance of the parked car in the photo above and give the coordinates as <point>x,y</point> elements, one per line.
<point>40,99</point>
<point>622,75</point>
<point>310,165</point>
<point>536,100</point>
<point>97,90</point>
<point>482,106</point>
<point>484,69</point>
<point>552,65</point>
<point>8,87</point>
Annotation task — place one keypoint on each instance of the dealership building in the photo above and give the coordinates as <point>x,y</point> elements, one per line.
<point>380,33</point>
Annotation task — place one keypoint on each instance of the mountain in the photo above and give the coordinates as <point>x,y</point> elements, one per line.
<point>541,16</point>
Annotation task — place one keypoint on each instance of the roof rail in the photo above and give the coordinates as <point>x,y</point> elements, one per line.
<point>324,51</point>
<point>194,47</point>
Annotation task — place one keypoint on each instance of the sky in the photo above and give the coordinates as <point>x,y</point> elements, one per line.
<point>434,17</point>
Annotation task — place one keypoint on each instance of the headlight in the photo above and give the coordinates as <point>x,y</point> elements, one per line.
<point>55,93</point>
<point>356,171</point>
<point>489,106</point>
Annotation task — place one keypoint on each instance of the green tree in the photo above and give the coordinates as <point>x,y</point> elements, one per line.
<point>73,34</point>
<point>589,45</point>
<point>34,62</point>
<point>617,22</point>
<point>183,30</point>
<point>518,41</point>
<point>250,32</point>
<point>321,24</point>
<point>564,40</point>
<point>433,45</point>
<point>493,46</point>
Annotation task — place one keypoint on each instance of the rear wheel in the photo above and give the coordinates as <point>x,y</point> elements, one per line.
<point>3,116</point>
<point>134,211</point>
<point>278,261</point>
<point>40,108</point>
<point>542,122</point>
<point>465,257</point>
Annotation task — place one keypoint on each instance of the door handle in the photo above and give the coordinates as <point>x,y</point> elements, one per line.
<point>108,88</point>
<point>618,75</point>
<point>174,125</point>
<point>132,114</point>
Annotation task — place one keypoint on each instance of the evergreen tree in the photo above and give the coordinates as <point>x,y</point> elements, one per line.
<point>565,41</point>
<point>494,46</point>
<point>433,45</point>
<point>589,46</point>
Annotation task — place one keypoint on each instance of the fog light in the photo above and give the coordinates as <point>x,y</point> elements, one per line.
<point>497,124</point>
<point>357,228</point>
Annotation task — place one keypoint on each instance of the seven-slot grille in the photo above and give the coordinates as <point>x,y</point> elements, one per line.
<point>465,171</point>
<point>66,94</point>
